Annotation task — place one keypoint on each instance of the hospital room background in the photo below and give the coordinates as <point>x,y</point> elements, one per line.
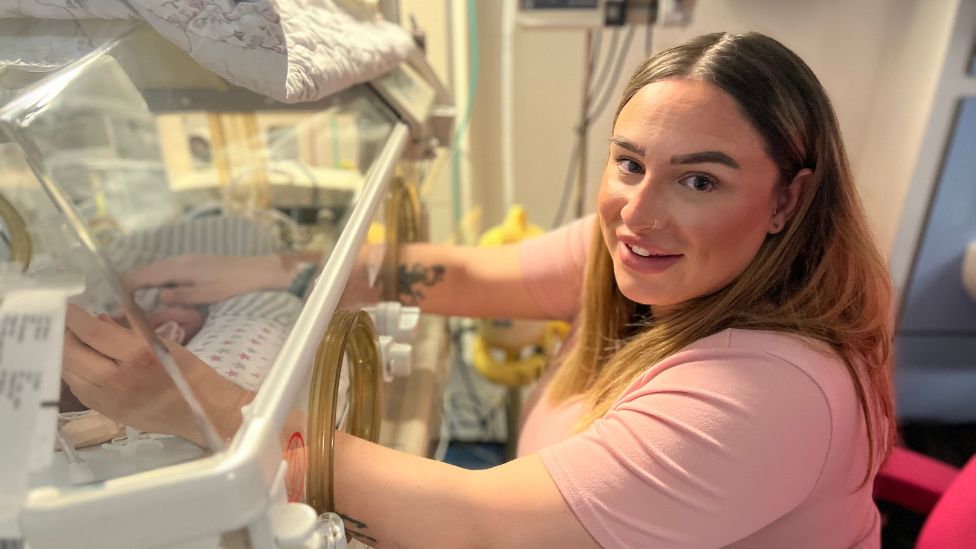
<point>896,72</point>
<point>530,88</point>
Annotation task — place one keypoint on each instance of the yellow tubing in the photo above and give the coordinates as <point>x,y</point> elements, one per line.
<point>402,227</point>
<point>20,242</point>
<point>349,333</point>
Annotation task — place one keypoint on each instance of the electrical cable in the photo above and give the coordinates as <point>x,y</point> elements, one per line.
<point>600,81</point>
<point>612,83</point>
<point>570,175</point>
<point>578,130</point>
<point>597,43</point>
<point>616,59</point>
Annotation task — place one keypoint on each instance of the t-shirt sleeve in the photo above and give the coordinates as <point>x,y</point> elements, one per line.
<point>553,266</point>
<point>705,453</point>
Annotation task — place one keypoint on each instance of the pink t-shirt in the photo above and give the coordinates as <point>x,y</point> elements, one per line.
<point>743,439</point>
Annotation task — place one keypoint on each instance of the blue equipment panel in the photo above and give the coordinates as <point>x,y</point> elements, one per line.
<point>935,346</point>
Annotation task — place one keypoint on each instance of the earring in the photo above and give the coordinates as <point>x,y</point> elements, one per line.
<point>775,226</point>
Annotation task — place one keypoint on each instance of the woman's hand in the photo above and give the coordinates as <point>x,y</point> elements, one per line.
<point>188,319</point>
<point>198,279</point>
<point>112,370</point>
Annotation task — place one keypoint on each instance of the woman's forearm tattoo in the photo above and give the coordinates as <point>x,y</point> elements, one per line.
<point>412,279</point>
<point>359,525</point>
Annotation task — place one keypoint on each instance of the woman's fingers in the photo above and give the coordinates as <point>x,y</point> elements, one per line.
<point>105,317</point>
<point>109,339</point>
<point>83,391</point>
<point>81,362</point>
<point>80,387</point>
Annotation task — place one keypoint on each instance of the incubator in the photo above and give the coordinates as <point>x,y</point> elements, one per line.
<point>227,264</point>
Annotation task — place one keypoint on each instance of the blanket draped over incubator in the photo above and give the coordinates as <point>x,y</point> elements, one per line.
<point>248,243</point>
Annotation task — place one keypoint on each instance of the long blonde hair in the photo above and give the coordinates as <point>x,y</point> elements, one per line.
<point>822,277</point>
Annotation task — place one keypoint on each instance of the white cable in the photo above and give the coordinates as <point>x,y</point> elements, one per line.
<point>460,36</point>
<point>508,103</point>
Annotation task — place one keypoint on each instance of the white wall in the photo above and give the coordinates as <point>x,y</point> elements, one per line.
<point>906,83</point>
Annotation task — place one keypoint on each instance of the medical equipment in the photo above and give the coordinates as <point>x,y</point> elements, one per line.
<point>600,13</point>
<point>145,158</point>
<point>598,90</point>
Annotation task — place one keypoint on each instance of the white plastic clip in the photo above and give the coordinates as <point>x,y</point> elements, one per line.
<point>397,361</point>
<point>135,441</point>
<point>394,320</point>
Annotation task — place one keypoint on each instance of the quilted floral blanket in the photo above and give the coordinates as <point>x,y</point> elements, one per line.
<point>291,50</point>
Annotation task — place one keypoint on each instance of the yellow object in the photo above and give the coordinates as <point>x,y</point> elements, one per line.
<point>515,372</point>
<point>509,335</point>
<point>514,228</point>
<point>376,234</point>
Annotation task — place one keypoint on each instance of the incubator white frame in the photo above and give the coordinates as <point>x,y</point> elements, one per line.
<point>191,505</point>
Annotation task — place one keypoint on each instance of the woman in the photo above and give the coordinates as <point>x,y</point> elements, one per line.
<point>728,384</point>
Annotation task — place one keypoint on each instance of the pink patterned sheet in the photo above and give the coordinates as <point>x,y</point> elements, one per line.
<point>239,348</point>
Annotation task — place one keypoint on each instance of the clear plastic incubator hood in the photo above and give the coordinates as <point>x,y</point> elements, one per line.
<point>194,415</point>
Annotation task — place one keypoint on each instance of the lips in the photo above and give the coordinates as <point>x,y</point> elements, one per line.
<point>647,260</point>
<point>633,241</point>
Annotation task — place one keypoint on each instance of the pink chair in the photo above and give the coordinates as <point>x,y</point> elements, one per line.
<point>929,486</point>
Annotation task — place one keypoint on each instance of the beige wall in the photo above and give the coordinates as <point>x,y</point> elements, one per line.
<point>877,60</point>
<point>903,104</point>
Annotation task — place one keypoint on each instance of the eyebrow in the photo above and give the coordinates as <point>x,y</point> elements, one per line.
<point>716,157</point>
<point>704,157</point>
<point>625,143</point>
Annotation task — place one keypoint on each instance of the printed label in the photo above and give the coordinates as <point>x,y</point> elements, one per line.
<point>31,341</point>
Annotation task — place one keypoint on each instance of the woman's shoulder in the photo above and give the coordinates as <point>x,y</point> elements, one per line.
<point>793,348</point>
<point>753,353</point>
<point>553,267</point>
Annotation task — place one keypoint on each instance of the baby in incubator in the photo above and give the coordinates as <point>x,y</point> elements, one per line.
<point>237,329</point>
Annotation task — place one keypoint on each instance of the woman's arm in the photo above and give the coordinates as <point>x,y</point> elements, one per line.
<point>387,498</point>
<point>466,281</point>
<point>195,279</point>
<point>439,278</point>
<point>390,499</point>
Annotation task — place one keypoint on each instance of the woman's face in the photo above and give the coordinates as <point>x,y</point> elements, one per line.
<point>689,193</point>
